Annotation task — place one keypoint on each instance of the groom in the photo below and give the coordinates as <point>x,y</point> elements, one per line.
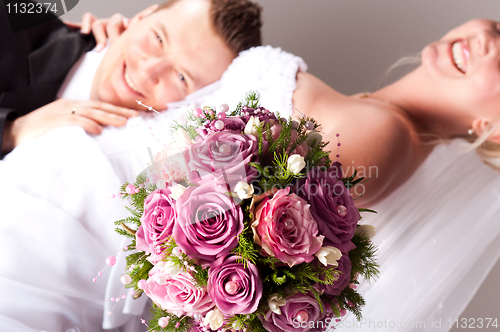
<point>162,57</point>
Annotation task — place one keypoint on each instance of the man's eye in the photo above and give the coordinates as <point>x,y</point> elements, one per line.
<point>181,77</point>
<point>158,38</point>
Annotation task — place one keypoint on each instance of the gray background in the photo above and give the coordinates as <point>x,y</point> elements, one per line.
<point>350,44</point>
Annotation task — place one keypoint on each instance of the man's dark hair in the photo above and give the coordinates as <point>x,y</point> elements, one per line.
<point>238,22</point>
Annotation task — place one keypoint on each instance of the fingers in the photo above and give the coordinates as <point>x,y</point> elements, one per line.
<point>99,31</point>
<point>87,21</point>
<point>108,29</point>
<point>104,113</point>
<point>101,117</point>
<point>116,25</point>
<point>110,108</point>
<point>89,125</point>
<point>72,25</point>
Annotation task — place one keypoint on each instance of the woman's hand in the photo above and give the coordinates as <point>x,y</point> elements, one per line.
<point>90,115</point>
<point>103,29</point>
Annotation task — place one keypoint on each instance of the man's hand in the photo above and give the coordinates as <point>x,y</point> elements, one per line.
<point>103,29</point>
<point>108,28</point>
<point>90,115</point>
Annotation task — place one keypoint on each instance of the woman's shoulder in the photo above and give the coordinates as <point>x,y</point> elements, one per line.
<point>316,99</point>
<point>373,134</point>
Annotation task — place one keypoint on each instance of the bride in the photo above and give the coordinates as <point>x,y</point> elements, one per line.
<point>404,117</point>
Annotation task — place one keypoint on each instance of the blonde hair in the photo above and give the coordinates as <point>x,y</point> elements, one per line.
<point>488,151</point>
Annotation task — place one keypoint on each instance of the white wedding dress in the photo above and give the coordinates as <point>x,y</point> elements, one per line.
<point>438,234</point>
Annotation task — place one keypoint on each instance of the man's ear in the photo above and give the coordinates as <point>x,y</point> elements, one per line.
<point>482,126</point>
<point>142,14</point>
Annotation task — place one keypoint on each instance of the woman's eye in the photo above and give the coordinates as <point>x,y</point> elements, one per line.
<point>181,77</point>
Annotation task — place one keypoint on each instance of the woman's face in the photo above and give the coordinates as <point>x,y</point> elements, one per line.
<point>466,64</point>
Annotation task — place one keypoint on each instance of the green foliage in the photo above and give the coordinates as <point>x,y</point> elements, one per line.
<point>141,270</point>
<point>351,300</point>
<point>191,124</point>
<point>251,322</point>
<point>363,258</point>
<point>136,200</point>
<point>286,281</point>
<point>251,99</point>
<point>185,323</point>
<point>366,210</point>
<point>247,249</point>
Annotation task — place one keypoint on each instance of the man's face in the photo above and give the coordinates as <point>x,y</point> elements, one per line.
<point>163,58</point>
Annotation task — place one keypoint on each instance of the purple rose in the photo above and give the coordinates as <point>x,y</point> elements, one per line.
<point>234,288</point>
<point>208,222</point>
<point>260,112</point>
<point>303,149</point>
<point>343,278</point>
<point>285,228</point>
<point>232,123</point>
<point>331,206</point>
<point>157,222</point>
<point>224,156</point>
<point>178,293</point>
<point>297,314</point>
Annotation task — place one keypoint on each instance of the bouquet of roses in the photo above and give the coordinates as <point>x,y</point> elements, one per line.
<point>244,223</point>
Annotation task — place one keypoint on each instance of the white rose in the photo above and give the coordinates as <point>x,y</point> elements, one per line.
<point>296,163</point>
<point>214,318</point>
<point>328,255</point>
<point>161,184</point>
<point>243,190</point>
<point>313,139</point>
<point>177,191</point>
<point>274,303</point>
<point>177,252</point>
<point>182,138</point>
<point>172,268</point>
<point>367,230</point>
<point>250,128</point>
<point>167,268</point>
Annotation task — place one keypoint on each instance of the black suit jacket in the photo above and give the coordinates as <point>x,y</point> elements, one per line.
<point>34,63</point>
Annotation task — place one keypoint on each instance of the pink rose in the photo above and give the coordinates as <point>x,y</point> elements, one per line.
<point>177,294</point>
<point>235,287</point>
<point>285,228</point>
<point>275,131</point>
<point>208,223</point>
<point>157,222</point>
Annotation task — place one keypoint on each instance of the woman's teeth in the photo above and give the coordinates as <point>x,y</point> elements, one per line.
<point>130,83</point>
<point>456,50</point>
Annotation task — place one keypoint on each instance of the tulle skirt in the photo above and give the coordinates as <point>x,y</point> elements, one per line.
<point>438,238</point>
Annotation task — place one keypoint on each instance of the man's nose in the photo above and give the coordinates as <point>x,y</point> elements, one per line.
<point>153,68</point>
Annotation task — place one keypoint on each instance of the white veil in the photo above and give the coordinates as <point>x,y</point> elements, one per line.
<point>438,238</point>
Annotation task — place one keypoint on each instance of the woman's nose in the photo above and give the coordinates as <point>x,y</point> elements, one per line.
<point>483,41</point>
